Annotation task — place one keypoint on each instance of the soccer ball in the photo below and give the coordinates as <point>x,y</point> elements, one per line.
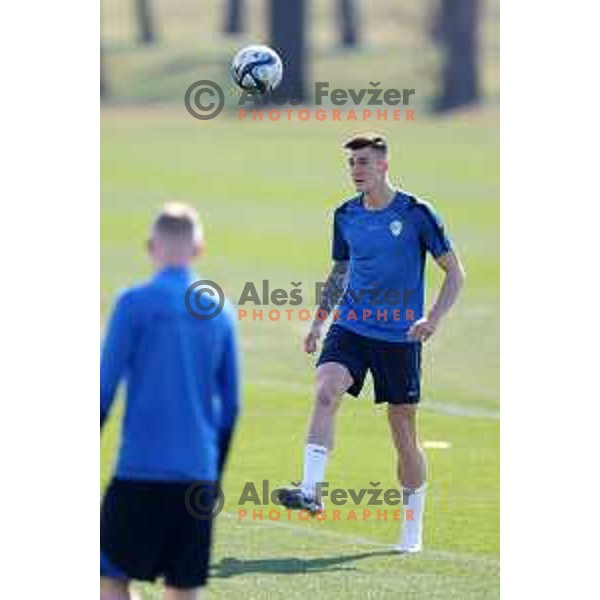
<point>257,69</point>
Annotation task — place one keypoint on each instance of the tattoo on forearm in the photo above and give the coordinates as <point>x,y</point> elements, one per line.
<point>334,286</point>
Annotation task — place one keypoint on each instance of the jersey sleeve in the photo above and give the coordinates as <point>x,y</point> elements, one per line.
<point>117,350</point>
<point>431,231</point>
<point>228,384</point>
<point>339,246</point>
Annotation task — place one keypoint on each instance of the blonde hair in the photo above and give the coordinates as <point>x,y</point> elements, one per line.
<point>177,231</point>
<point>178,226</point>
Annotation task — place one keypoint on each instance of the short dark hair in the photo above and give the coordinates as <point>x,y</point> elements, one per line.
<point>377,142</point>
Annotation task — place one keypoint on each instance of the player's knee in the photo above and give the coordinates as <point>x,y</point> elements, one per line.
<point>402,421</point>
<point>326,395</point>
<point>406,438</point>
<point>324,398</point>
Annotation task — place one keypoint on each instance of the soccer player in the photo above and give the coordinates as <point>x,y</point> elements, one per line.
<point>181,408</point>
<point>380,240</point>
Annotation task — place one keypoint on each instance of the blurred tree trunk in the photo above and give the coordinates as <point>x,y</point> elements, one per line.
<point>287,28</point>
<point>145,21</point>
<point>347,18</point>
<point>234,16</point>
<point>103,81</point>
<point>455,28</point>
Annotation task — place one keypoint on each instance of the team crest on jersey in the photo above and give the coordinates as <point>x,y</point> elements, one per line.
<point>396,228</point>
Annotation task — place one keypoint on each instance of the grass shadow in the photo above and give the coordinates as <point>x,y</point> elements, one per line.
<point>230,567</point>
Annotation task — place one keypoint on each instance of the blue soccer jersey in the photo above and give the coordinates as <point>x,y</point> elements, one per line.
<point>182,382</point>
<point>386,250</point>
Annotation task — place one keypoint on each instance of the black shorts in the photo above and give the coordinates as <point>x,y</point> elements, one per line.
<point>147,531</point>
<point>395,366</point>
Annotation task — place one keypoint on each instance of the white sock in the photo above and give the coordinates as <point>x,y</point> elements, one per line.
<point>412,530</point>
<point>315,459</point>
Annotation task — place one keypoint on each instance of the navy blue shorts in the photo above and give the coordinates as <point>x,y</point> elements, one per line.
<point>147,532</point>
<point>395,366</point>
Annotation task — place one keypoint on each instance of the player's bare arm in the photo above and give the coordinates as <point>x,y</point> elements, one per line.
<point>454,279</point>
<point>332,292</point>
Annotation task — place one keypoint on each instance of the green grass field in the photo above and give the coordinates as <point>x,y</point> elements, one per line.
<point>266,192</point>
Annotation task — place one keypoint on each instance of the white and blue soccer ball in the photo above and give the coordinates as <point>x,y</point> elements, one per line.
<point>257,69</point>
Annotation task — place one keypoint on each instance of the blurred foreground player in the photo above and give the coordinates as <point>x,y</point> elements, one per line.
<point>381,237</point>
<point>181,408</point>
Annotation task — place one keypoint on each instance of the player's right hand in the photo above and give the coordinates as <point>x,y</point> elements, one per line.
<point>311,340</point>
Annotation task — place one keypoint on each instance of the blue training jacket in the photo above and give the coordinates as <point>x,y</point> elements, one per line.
<point>182,381</point>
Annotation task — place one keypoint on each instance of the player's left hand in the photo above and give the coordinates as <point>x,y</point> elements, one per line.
<point>423,329</point>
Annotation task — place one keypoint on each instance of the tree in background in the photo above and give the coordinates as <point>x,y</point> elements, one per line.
<point>103,82</point>
<point>287,28</point>
<point>455,29</point>
<point>145,21</point>
<point>234,16</point>
<point>347,18</point>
